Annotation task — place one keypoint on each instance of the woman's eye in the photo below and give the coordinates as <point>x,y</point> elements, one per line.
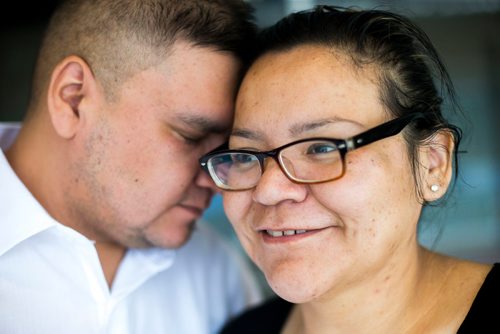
<point>321,148</point>
<point>242,158</point>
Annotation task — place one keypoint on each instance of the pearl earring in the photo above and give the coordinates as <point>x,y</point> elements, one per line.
<point>434,188</point>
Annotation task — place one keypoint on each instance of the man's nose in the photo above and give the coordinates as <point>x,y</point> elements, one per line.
<point>205,181</point>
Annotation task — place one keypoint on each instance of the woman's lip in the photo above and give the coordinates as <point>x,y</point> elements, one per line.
<point>287,235</point>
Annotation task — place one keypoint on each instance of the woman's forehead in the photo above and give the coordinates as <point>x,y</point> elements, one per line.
<point>305,85</point>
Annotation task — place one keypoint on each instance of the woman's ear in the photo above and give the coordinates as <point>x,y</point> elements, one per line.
<point>436,161</point>
<point>72,82</point>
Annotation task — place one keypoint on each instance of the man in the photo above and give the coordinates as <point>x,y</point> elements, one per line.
<point>100,189</point>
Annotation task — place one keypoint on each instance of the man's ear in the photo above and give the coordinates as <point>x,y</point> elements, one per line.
<point>72,82</point>
<point>436,160</point>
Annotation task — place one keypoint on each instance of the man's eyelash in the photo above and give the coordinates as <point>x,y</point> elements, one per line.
<point>192,140</point>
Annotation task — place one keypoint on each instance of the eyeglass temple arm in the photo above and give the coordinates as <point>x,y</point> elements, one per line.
<point>385,130</point>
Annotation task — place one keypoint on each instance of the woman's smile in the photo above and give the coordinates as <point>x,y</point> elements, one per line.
<point>271,236</point>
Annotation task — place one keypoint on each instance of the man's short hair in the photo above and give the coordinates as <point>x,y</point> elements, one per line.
<point>119,37</point>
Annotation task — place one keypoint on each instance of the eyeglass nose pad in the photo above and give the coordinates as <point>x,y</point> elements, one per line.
<point>264,163</point>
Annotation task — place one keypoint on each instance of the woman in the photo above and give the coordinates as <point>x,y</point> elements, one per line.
<point>338,143</point>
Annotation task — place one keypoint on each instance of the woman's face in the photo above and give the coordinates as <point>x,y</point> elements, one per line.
<point>357,227</point>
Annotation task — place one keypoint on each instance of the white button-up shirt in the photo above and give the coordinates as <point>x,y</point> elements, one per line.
<point>51,280</point>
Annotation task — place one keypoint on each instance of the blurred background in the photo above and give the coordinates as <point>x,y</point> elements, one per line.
<point>467,35</point>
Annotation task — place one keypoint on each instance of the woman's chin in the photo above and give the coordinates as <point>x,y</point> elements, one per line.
<point>296,290</point>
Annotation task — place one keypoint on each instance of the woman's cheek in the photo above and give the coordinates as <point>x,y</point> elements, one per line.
<point>239,210</point>
<point>237,206</point>
<point>230,203</point>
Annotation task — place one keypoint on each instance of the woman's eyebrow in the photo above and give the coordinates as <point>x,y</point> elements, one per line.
<point>299,128</point>
<point>294,130</point>
<point>247,134</point>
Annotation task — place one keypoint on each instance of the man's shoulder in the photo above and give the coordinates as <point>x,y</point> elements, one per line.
<point>206,242</point>
<point>10,125</point>
<point>217,260</point>
<point>215,265</point>
<point>8,132</point>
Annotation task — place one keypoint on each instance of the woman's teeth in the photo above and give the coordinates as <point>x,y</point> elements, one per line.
<point>284,233</point>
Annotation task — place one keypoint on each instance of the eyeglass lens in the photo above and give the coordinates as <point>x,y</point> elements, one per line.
<point>308,162</point>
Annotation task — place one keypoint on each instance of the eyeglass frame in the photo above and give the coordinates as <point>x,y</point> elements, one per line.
<point>379,132</point>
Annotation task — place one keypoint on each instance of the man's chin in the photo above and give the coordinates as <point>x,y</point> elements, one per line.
<point>171,240</point>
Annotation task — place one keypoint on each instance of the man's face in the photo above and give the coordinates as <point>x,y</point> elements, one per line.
<point>138,177</point>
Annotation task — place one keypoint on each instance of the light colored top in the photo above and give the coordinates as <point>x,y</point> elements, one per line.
<point>51,280</point>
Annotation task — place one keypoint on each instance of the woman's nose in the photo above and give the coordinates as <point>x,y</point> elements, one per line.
<point>274,186</point>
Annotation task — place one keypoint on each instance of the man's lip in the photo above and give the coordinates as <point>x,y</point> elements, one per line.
<point>195,209</point>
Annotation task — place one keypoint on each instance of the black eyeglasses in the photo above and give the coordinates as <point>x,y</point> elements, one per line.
<point>307,161</point>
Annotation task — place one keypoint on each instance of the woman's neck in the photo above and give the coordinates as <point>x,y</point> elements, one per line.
<point>407,300</point>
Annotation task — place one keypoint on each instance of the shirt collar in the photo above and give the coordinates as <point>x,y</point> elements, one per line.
<point>22,216</point>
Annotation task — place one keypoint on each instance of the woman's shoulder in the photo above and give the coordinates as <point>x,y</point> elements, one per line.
<point>484,309</point>
<point>266,318</point>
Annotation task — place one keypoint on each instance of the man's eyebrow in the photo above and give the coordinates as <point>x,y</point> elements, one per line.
<point>203,124</point>
<point>300,128</point>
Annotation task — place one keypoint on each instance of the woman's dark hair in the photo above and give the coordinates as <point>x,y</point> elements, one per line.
<point>409,66</point>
